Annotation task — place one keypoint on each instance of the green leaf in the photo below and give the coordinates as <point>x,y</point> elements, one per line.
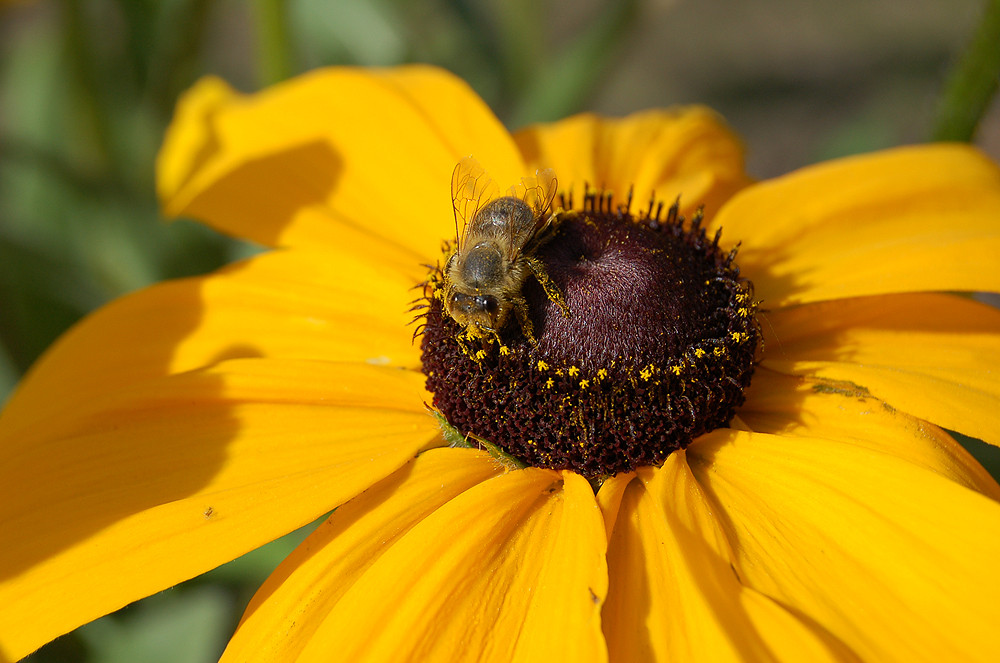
<point>973,83</point>
<point>177,625</point>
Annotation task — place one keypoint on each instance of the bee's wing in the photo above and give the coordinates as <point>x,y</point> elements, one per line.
<point>471,188</point>
<point>538,192</point>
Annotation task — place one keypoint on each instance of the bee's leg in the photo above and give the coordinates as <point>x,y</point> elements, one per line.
<point>466,339</point>
<point>460,339</point>
<point>524,319</point>
<point>495,335</point>
<point>551,289</point>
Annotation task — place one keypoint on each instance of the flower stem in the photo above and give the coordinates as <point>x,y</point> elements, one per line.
<point>274,45</point>
<point>562,86</point>
<point>89,92</point>
<point>973,82</point>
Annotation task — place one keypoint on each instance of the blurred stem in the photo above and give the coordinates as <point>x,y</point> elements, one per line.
<point>521,41</point>
<point>56,165</point>
<point>274,45</point>
<point>175,37</point>
<point>562,88</point>
<point>973,83</point>
<point>92,109</point>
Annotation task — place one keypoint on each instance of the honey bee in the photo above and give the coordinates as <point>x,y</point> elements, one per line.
<point>495,252</point>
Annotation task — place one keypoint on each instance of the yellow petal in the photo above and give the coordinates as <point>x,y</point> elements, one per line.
<point>686,152</point>
<point>299,595</point>
<point>337,150</point>
<point>340,304</point>
<point>904,220</point>
<point>184,473</point>
<point>933,356</point>
<point>609,498</point>
<point>673,594</point>
<point>790,405</point>
<point>894,560</point>
<point>510,570</point>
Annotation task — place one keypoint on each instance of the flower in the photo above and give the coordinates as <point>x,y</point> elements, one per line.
<point>184,425</point>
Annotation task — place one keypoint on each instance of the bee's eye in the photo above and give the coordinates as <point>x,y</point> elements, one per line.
<point>487,303</point>
<point>471,304</point>
<point>462,301</point>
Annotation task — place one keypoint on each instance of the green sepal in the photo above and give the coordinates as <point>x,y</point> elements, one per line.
<point>456,439</point>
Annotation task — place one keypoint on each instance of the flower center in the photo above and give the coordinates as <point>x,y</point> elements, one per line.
<point>656,349</point>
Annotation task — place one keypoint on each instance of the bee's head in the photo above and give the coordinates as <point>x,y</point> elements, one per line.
<point>477,309</point>
<point>475,292</point>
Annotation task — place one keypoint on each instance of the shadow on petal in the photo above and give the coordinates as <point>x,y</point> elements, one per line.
<point>260,198</point>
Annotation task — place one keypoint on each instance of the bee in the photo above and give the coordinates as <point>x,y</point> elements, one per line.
<point>495,252</point>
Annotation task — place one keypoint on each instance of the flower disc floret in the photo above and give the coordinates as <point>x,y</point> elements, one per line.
<point>658,347</point>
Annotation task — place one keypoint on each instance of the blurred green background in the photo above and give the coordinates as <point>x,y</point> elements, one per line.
<point>87,87</point>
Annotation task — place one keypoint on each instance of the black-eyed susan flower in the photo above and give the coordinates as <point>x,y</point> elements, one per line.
<point>698,469</point>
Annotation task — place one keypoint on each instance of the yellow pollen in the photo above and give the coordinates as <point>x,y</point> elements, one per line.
<point>542,366</point>
<point>480,355</point>
<point>573,371</point>
<point>504,350</point>
<point>584,384</point>
<point>549,383</point>
<point>677,369</point>
<point>699,353</point>
<point>601,374</point>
